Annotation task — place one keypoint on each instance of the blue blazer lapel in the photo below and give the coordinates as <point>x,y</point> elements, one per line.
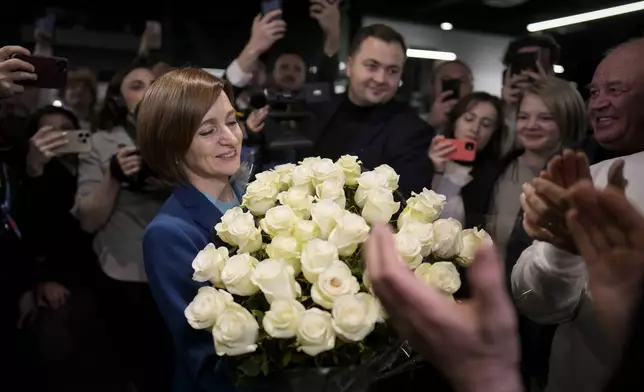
<point>201,210</point>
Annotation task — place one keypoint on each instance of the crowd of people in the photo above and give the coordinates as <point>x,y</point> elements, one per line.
<point>97,246</point>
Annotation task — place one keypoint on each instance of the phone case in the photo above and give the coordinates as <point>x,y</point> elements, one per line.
<point>271,5</point>
<point>78,142</point>
<point>465,150</point>
<point>51,71</point>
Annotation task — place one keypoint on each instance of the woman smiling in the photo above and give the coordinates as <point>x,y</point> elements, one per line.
<point>190,137</point>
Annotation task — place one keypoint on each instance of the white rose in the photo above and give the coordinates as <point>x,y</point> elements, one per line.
<point>282,320</point>
<point>315,332</point>
<point>237,274</point>
<point>208,264</point>
<point>350,231</point>
<point>424,207</point>
<point>472,239</point>
<point>285,173</point>
<point>380,206</point>
<point>208,304</point>
<point>333,283</point>
<point>310,161</point>
<point>276,280</point>
<point>260,197</point>
<point>448,238</point>
<point>302,178</point>
<point>237,228</point>
<point>442,275</point>
<point>324,170</point>
<point>269,177</point>
<point>408,248</point>
<point>235,332</point>
<point>317,256</point>
<point>279,220</point>
<point>299,199</point>
<point>324,213</point>
<point>390,174</point>
<point>305,230</point>
<point>351,167</point>
<point>354,316</point>
<point>332,190</point>
<point>286,248</point>
<point>367,181</point>
<point>424,232</point>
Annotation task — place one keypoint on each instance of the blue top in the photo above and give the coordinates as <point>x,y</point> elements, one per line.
<point>182,228</point>
<point>223,206</point>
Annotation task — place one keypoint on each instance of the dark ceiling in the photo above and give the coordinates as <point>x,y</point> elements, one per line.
<point>475,15</point>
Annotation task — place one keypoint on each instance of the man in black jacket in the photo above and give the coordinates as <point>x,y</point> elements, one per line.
<point>367,121</point>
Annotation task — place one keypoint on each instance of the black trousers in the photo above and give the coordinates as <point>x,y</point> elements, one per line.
<point>138,333</point>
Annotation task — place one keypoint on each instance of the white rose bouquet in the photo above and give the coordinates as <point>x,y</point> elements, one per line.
<point>290,290</point>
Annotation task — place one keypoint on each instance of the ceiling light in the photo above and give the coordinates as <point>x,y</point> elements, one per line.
<point>446,26</point>
<point>587,16</point>
<point>57,103</point>
<point>558,69</point>
<point>431,54</point>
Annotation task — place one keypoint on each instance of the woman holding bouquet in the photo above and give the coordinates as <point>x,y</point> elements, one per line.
<point>190,136</point>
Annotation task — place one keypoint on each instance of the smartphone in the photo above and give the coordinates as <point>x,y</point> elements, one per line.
<point>78,141</point>
<point>453,85</point>
<point>465,150</point>
<point>51,71</point>
<point>154,31</point>
<point>271,5</point>
<point>524,62</point>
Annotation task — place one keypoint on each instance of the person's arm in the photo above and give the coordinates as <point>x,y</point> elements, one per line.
<point>168,251</point>
<point>97,192</point>
<point>548,283</point>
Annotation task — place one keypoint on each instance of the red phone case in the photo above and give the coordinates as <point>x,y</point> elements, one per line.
<point>51,71</point>
<point>465,150</point>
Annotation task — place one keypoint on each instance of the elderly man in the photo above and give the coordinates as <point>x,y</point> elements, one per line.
<point>549,279</point>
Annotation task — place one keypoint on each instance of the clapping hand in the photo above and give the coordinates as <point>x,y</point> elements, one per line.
<point>474,342</point>
<point>609,233</point>
<point>13,71</point>
<point>545,200</point>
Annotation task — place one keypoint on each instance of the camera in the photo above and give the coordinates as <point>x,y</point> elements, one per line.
<point>290,120</point>
<point>469,146</point>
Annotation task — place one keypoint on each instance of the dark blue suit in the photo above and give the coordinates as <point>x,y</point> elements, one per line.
<point>171,241</point>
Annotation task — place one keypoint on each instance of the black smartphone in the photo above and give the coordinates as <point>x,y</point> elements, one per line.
<point>51,71</point>
<point>453,85</point>
<point>526,61</point>
<point>271,5</point>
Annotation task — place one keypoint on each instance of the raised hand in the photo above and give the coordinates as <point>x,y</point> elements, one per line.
<point>474,342</point>
<point>327,13</point>
<point>441,108</point>
<point>609,233</point>
<point>13,71</point>
<point>255,120</point>
<point>267,29</point>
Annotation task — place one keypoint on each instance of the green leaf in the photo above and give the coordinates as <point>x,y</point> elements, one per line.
<point>250,367</point>
<point>265,364</point>
<point>286,359</point>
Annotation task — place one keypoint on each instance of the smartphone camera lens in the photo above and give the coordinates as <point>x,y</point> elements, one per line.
<point>469,146</point>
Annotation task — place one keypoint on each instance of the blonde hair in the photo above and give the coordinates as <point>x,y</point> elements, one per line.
<point>566,105</point>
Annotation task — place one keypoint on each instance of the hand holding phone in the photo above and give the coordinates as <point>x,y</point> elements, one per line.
<point>13,71</point>
<point>271,5</point>
<point>526,61</point>
<point>78,141</point>
<point>443,150</point>
<point>453,86</point>
<point>153,34</point>
<point>51,72</point>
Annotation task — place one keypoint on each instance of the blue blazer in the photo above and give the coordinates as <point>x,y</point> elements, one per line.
<point>182,228</point>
